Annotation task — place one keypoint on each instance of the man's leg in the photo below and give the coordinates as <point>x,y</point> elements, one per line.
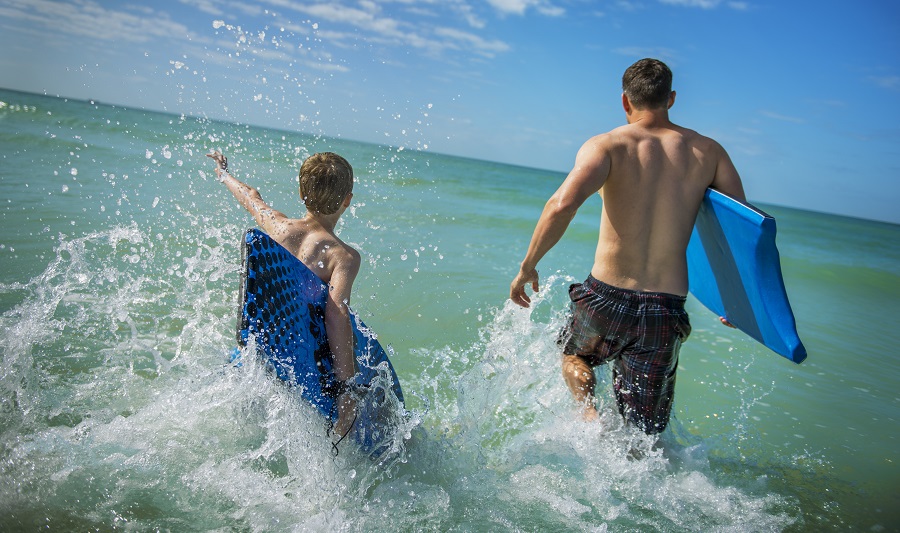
<point>644,386</point>
<point>580,378</point>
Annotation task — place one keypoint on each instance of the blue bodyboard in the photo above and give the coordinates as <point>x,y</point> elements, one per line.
<point>282,313</point>
<point>734,270</point>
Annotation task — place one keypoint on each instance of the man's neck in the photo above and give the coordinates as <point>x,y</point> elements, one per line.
<point>650,118</point>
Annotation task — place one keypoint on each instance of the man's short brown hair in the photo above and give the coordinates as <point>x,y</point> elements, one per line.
<point>325,181</point>
<point>648,84</point>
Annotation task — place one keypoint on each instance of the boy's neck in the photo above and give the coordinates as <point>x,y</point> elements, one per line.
<point>328,222</point>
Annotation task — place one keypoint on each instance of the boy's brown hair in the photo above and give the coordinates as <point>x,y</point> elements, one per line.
<point>325,181</point>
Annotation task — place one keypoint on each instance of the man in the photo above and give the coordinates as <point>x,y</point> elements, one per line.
<point>651,175</point>
<point>326,185</point>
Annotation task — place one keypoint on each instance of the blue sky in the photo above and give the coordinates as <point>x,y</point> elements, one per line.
<point>805,96</point>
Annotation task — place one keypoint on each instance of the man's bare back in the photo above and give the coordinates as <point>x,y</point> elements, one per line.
<point>652,176</point>
<point>656,181</point>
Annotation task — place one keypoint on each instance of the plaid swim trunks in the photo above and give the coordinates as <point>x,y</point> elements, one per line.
<point>641,334</point>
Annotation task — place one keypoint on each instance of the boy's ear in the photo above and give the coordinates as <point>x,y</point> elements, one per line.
<point>347,199</point>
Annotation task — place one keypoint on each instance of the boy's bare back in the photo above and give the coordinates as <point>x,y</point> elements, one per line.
<point>315,246</point>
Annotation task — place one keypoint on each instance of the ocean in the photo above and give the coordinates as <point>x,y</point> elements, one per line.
<point>119,272</point>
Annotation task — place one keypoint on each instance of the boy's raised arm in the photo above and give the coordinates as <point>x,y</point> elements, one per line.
<point>268,218</point>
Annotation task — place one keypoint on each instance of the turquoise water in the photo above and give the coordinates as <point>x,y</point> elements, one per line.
<point>118,292</point>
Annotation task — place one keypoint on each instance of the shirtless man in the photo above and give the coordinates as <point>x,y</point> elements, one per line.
<point>651,175</point>
<point>326,184</point>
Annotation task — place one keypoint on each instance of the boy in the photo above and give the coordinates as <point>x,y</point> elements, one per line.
<point>326,185</point>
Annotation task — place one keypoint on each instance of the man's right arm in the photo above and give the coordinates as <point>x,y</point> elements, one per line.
<point>591,169</point>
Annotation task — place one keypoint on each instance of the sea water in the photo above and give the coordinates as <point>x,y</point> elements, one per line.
<point>119,272</point>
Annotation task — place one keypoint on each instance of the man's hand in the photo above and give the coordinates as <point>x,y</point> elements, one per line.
<point>517,287</point>
<point>725,321</point>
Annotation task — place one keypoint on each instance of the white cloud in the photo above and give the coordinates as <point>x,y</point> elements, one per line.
<point>361,18</point>
<point>379,27</point>
<point>515,7</point>
<point>886,82</point>
<point>248,9</point>
<point>467,13</point>
<point>637,52</point>
<point>783,118</point>
<point>551,11</point>
<point>482,46</point>
<point>737,5</point>
<point>628,5</point>
<point>277,53</point>
<point>704,4</point>
<point>518,7</point>
<point>206,6</point>
<point>86,18</point>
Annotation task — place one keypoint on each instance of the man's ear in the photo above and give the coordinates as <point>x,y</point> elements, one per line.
<point>671,100</point>
<point>626,105</point>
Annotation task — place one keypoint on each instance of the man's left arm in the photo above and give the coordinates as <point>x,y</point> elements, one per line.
<point>727,179</point>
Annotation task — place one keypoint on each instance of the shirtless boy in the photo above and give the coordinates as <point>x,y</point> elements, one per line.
<point>651,175</point>
<point>326,184</point>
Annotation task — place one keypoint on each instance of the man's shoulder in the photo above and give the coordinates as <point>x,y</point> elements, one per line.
<point>623,135</point>
<point>604,142</point>
<point>616,134</point>
<point>698,139</point>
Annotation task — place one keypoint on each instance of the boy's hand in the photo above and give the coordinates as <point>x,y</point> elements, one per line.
<point>221,163</point>
<point>725,321</point>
